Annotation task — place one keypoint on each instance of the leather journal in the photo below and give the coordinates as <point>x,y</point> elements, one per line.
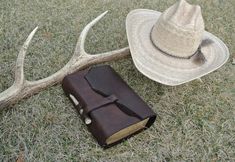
<point>111,110</point>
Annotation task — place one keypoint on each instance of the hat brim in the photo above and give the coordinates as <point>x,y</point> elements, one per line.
<point>160,67</point>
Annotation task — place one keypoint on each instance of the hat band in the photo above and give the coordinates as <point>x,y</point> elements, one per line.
<point>179,57</point>
<point>197,57</point>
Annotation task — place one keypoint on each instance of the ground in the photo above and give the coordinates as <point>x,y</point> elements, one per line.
<point>196,120</point>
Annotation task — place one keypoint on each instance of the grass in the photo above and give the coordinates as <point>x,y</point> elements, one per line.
<point>196,121</point>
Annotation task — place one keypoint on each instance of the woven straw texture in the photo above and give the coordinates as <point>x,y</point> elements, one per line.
<point>179,29</point>
<point>163,68</point>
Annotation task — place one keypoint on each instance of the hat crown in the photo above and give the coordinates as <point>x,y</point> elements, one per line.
<point>179,30</point>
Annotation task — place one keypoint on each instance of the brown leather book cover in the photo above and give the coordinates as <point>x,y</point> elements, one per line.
<point>111,110</point>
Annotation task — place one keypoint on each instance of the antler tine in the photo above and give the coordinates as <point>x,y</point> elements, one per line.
<point>19,72</point>
<point>23,88</point>
<point>102,57</point>
<point>80,47</point>
<point>10,94</point>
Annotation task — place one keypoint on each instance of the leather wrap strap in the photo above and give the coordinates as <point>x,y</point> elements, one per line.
<point>96,105</point>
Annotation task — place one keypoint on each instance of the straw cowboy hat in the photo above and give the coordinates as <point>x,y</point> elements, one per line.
<point>172,47</point>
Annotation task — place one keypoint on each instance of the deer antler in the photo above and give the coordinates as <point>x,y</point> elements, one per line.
<point>23,88</point>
